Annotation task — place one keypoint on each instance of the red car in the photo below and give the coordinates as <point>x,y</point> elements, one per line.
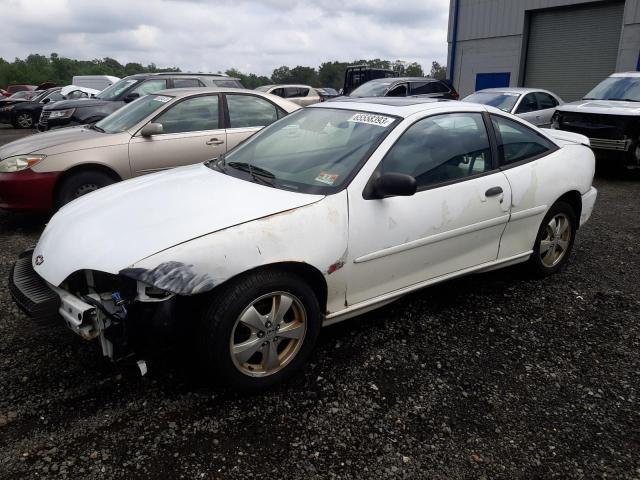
<point>11,89</point>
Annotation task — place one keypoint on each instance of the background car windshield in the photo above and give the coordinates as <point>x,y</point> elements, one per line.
<point>314,150</point>
<point>371,89</point>
<point>40,96</point>
<point>132,113</point>
<point>616,88</point>
<point>116,89</point>
<point>503,101</point>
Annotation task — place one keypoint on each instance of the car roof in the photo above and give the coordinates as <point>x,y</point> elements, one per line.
<point>184,92</point>
<point>519,90</point>
<point>626,74</point>
<point>180,75</point>
<point>287,85</point>
<point>398,106</point>
<point>403,79</point>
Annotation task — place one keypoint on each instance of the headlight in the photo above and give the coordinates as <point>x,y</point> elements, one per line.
<point>62,113</point>
<point>19,162</point>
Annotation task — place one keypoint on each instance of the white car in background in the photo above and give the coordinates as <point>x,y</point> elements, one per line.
<point>534,105</point>
<point>71,92</point>
<point>303,95</point>
<point>327,213</point>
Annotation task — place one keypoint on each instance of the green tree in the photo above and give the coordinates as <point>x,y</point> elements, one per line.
<point>414,70</point>
<point>331,74</point>
<point>438,71</point>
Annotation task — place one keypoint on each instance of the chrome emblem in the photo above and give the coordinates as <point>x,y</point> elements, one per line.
<point>39,260</point>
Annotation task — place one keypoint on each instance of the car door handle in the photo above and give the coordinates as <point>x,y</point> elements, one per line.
<point>493,191</point>
<point>215,141</point>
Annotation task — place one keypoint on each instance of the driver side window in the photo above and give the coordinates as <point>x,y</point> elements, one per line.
<point>441,149</point>
<point>191,115</point>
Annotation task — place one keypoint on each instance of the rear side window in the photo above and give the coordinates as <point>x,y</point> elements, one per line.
<point>440,87</point>
<point>294,92</point>
<point>401,90</point>
<point>227,83</point>
<point>279,92</point>
<point>186,83</point>
<point>546,101</point>
<point>250,111</point>
<point>441,149</point>
<point>517,142</point>
<point>423,88</point>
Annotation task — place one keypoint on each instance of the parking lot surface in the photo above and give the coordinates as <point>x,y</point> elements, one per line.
<point>489,376</point>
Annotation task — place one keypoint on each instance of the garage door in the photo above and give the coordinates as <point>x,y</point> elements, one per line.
<point>571,50</point>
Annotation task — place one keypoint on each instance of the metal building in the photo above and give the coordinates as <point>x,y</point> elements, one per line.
<point>566,46</point>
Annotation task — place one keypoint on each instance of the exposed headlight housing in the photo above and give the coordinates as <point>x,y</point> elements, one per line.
<point>19,162</point>
<point>62,113</point>
<point>555,121</point>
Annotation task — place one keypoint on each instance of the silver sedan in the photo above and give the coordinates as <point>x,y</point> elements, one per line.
<point>534,105</point>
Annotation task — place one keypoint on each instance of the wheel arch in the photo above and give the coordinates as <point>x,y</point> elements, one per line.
<point>574,199</point>
<point>84,167</point>
<point>309,273</point>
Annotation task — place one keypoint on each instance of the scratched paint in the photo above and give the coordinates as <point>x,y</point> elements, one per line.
<point>172,276</point>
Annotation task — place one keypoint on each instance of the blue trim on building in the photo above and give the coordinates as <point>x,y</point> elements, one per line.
<point>492,80</point>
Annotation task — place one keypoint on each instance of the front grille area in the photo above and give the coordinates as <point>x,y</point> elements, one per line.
<point>596,126</point>
<point>606,144</point>
<point>31,292</point>
<point>44,117</point>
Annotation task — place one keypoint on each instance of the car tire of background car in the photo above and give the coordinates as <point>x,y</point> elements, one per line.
<point>81,183</point>
<point>258,330</point>
<point>554,241</point>
<point>23,120</point>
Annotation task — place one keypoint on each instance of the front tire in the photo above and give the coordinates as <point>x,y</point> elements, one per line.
<point>81,183</point>
<point>23,120</point>
<point>554,241</point>
<point>259,330</point>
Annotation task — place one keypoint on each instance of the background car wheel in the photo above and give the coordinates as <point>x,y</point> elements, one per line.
<point>81,183</point>
<point>555,239</point>
<point>259,330</point>
<point>23,120</point>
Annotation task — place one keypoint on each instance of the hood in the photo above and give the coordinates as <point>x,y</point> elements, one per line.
<point>112,228</point>
<point>77,103</point>
<point>65,139</point>
<point>5,102</point>
<point>605,107</point>
<point>567,138</point>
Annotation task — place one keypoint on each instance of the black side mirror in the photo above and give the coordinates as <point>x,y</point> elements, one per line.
<point>392,185</point>
<point>130,97</point>
<point>46,100</point>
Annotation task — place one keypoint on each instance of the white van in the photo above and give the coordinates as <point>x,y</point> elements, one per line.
<point>97,82</point>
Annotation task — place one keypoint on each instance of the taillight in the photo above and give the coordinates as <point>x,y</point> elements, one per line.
<point>455,95</point>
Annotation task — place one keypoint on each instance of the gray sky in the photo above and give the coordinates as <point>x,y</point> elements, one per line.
<point>250,35</point>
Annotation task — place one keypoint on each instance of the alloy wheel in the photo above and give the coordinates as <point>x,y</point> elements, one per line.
<point>555,240</point>
<point>268,334</point>
<point>25,120</point>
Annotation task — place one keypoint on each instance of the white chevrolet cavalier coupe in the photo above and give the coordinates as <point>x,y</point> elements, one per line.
<point>329,212</point>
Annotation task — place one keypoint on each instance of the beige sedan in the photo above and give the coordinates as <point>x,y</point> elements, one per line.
<point>303,95</point>
<point>167,129</point>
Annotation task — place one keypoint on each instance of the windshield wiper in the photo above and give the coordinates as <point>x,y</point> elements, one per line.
<point>93,126</point>
<point>257,173</point>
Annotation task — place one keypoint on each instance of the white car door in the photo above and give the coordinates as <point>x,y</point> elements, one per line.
<point>453,222</point>
<point>192,134</point>
<point>246,115</point>
<point>528,110</point>
<point>547,106</point>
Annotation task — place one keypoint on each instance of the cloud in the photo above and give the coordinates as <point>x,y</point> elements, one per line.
<point>251,35</point>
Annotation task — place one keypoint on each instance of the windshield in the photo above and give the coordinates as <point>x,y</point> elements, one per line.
<point>616,88</point>
<point>39,96</point>
<point>313,150</point>
<point>263,88</point>
<point>111,92</point>
<point>371,89</point>
<point>503,101</point>
<point>132,113</point>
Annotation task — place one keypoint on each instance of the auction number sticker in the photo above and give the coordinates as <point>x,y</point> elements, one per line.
<point>327,177</point>
<point>163,99</point>
<point>372,119</point>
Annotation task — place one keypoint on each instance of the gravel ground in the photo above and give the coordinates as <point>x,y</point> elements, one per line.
<point>490,376</point>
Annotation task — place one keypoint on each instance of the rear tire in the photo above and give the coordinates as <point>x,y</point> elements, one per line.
<point>81,183</point>
<point>259,330</point>
<point>554,241</point>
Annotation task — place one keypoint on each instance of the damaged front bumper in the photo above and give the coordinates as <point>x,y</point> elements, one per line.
<point>97,313</point>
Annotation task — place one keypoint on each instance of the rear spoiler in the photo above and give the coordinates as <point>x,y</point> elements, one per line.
<point>567,137</point>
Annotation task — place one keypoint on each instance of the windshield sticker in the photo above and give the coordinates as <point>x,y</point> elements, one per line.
<point>162,99</point>
<point>326,177</point>
<point>372,119</point>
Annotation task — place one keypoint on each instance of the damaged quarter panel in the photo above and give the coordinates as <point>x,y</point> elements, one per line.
<point>315,234</point>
